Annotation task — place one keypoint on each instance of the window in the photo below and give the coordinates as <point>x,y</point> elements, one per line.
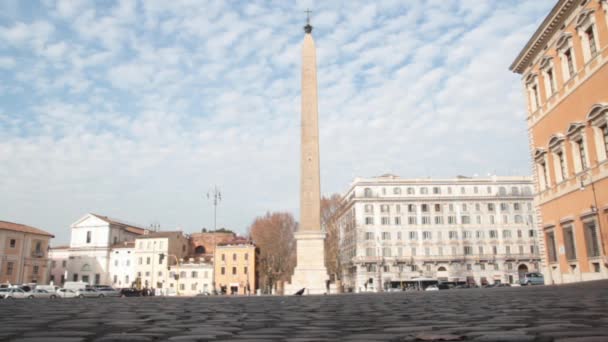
<point>569,243</point>
<point>438,219</point>
<point>544,174</point>
<point>424,191</point>
<point>148,261</point>
<point>489,190</point>
<point>115,262</point>
<point>223,270</point>
<point>502,191</point>
<point>490,206</point>
<point>480,250</point>
<point>369,236</point>
<point>413,235</point>
<point>569,63</point>
<point>518,219</point>
<point>519,234</point>
<point>424,208</point>
<point>410,191</point>
<point>477,207</point>
<point>97,278</point>
<point>384,191</point>
<point>412,220</point>
<point>462,190</point>
<point>521,249</point>
<point>552,255</point>
<point>397,220</point>
<point>590,34</point>
<point>413,250</point>
<point>368,221</point>
<point>535,98</point>
<point>504,207</point>
<point>493,234</point>
<point>451,219</point>
<point>398,208</point>
<point>411,208</point>
<point>562,165</point>
<point>233,270</point>
<point>466,234</point>
<point>508,250</point>
<point>245,270</point>
<point>605,138</point>
<point>89,236</point>
<point>482,266</point>
<point>370,252</point>
<point>13,243</point>
<point>465,219</point>
<point>591,241</point>
<point>450,190</point>
<point>550,81</point>
<point>397,191</point>
<point>398,235</point>
<point>468,250</point>
<point>384,208</point>
<point>194,274</point>
<point>451,207</point>
<point>426,220</point>
<point>516,206</point>
<point>427,235</point>
<point>505,219</point>
<point>453,235</point>
<point>475,190</point>
<point>436,190</point>
<point>581,153</point>
<point>368,192</point>
<point>494,250</point>
<point>478,219</point>
<point>464,207</point>
<point>386,220</point>
<point>491,219</point>
<point>386,236</point>
<point>427,252</point>
<point>437,208</point>
<point>506,234</point>
<point>386,251</point>
<point>369,209</point>
<point>479,234</point>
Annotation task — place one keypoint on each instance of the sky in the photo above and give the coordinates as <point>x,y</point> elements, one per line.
<point>137,109</point>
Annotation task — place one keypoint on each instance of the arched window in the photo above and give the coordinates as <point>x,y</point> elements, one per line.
<point>85,268</point>
<point>368,192</point>
<point>441,269</point>
<point>199,250</point>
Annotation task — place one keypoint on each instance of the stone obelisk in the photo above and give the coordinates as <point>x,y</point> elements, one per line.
<point>310,272</point>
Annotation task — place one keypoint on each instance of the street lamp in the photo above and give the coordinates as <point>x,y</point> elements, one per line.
<point>594,208</point>
<point>216,196</point>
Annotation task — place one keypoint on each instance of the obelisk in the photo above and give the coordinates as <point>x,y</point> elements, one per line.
<point>310,272</point>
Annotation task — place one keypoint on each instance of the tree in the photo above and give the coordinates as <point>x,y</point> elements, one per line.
<point>273,234</point>
<point>330,207</point>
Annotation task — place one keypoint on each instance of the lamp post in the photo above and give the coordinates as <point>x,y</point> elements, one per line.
<point>594,209</point>
<point>216,196</point>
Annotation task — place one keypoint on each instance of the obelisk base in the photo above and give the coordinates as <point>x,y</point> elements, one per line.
<point>310,272</point>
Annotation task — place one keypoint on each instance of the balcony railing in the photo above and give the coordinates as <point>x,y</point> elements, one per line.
<point>37,254</point>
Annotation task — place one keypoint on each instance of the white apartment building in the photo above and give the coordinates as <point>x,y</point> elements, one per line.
<point>394,232</point>
<point>122,265</point>
<point>58,264</point>
<point>194,277</point>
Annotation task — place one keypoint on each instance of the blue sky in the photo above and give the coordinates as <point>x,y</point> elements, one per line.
<point>135,109</point>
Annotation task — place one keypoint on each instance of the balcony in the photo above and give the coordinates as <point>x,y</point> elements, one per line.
<point>37,254</point>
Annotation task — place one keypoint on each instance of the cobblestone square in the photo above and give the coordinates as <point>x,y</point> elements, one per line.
<point>564,313</point>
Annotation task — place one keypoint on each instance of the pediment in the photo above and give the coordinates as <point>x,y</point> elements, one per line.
<point>89,220</point>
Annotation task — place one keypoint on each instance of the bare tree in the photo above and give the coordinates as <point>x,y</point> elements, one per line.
<point>330,206</point>
<point>273,234</point>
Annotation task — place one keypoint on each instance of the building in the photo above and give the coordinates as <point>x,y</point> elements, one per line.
<point>155,254</point>
<point>58,264</point>
<point>203,244</point>
<point>564,68</point>
<point>91,242</point>
<point>235,267</point>
<point>394,232</point>
<point>194,276</point>
<point>23,253</point>
<point>122,266</point>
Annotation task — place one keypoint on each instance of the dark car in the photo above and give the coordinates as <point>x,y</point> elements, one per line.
<point>130,292</point>
<point>443,286</point>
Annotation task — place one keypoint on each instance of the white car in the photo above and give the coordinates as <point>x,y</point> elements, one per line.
<point>12,292</point>
<point>108,292</point>
<point>431,288</point>
<point>66,293</point>
<point>88,293</point>
<point>40,293</point>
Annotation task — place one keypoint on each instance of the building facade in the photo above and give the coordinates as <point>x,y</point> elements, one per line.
<point>191,277</point>
<point>23,254</point>
<point>235,268</point>
<point>564,68</point>
<point>58,264</point>
<point>91,242</point>
<point>394,232</point>
<point>122,266</point>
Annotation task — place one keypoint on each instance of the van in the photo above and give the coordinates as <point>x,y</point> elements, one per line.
<point>532,279</point>
<point>75,285</point>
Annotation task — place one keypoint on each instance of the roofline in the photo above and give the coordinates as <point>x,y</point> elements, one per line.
<point>546,28</point>
<point>41,232</point>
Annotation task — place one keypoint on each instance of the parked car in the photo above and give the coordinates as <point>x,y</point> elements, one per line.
<point>40,293</point>
<point>431,288</point>
<point>532,279</point>
<point>48,288</point>
<point>13,292</point>
<point>75,285</point>
<point>66,293</point>
<point>88,292</point>
<point>129,292</point>
<point>108,292</point>
<point>443,286</point>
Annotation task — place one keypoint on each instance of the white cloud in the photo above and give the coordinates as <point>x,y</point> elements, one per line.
<point>140,107</point>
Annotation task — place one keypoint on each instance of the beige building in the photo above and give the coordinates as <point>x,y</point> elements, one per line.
<point>235,268</point>
<point>155,253</point>
<point>23,254</point>
<point>394,232</point>
<point>564,68</point>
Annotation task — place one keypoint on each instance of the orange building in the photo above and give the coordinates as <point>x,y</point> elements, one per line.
<point>23,254</point>
<point>564,68</point>
<point>234,267</point>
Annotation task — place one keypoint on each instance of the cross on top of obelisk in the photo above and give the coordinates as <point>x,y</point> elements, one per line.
<point>307,28</point>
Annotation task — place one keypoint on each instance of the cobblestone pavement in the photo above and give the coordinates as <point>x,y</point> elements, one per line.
<point>565,313</point>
